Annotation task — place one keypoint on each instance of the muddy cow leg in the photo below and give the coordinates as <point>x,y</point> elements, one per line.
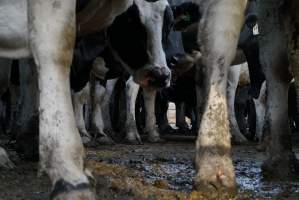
<point>232,84</point>
<point>219,32</point>
<point>132,135</point>
<point>150,118</point>
<point>273,44</point>
<point>79,99</point>
<point>52,36</point>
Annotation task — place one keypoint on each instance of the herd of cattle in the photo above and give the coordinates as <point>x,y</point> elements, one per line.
<point>75,68</point>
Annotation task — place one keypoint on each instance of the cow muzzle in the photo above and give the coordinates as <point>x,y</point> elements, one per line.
<point>153,77</point>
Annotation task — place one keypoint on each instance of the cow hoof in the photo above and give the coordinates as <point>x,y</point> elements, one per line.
<point>155,139</point>
<point>5,162</point>
<point>168,130</point>
<point>105,140</point>
<point>281,167</point>
<point>219,188</point>
<point>67,191</point>
<point>239,138</point>
<point>133,141</point>
<point>85,140</point>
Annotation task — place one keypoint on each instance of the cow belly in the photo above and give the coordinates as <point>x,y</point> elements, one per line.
<point>13,29</point>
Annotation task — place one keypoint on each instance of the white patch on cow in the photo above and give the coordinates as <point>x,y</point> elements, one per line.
<point>151,15</point>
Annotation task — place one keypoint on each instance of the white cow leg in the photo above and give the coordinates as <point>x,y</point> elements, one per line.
<point>5,162</point>
<point>97,122</point>
<point>281,160</point>
<point>150,117</point>
<point>219,31</point>
<point>60,145</point>
<point>132,135</point>
<point>79,99</point>
<point>232,84</point>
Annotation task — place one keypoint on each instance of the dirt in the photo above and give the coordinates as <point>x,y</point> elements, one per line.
<point>149,172</point>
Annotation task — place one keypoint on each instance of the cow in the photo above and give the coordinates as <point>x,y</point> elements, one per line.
<point>142,48</point>
<point>45,30</point>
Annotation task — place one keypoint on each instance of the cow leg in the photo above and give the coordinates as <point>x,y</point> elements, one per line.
<point>132,135</point>
<point>5,162</point>
<point>280,161</point>
<point>260,110</point>
<point>219,32</point>
<point>232,84</point>
<point>180,116</point>
<point>97,122</point>
<point>61,149</point>
<point>150,118</point>
<point>27,125</point>
<point>79,99</point>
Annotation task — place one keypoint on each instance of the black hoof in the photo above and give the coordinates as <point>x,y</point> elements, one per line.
<point>62,187</point>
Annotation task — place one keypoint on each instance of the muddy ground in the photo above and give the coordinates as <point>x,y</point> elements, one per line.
<point>159,171</point>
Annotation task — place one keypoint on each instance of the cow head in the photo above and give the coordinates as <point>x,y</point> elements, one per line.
<point>136,37</point>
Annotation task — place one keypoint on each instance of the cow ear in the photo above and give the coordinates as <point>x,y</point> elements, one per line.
<point>185,14</point>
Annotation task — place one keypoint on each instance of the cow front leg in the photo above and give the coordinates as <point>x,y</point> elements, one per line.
<point>52,36</point>
<point>132,135</point>
<point>219,33</point>
<point>150,118</point>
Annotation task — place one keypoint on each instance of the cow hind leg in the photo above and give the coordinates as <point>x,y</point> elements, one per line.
<point>219,32</point>
<point>61,149</point>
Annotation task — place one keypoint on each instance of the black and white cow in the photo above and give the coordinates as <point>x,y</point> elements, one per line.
<point>45,30</point>
<point>145,28</point>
